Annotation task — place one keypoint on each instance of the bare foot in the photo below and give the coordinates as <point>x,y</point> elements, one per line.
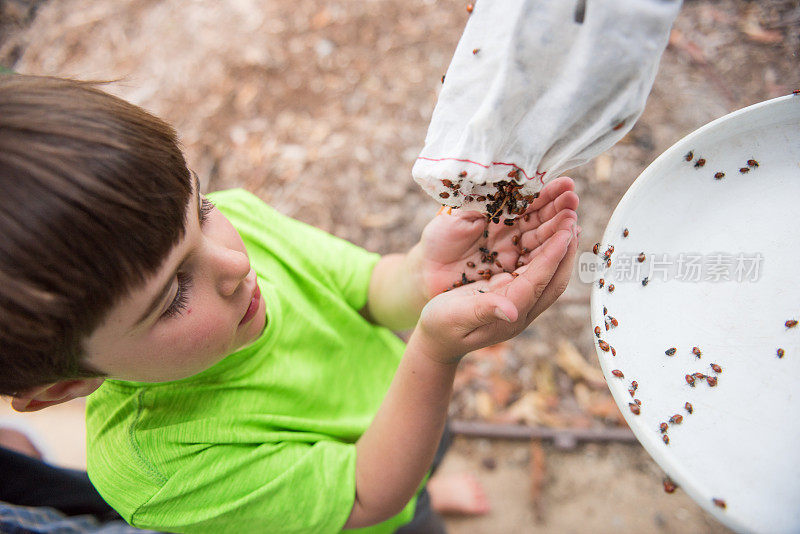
<point>457,493</point>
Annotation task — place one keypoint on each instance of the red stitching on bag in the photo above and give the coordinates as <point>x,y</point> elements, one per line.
<point>539,175</point>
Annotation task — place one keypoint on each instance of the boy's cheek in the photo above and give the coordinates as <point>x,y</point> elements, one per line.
<point>210,335</point>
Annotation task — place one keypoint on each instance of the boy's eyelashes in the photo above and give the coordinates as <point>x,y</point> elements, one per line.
<point>181,298</point>
<point>206,207</point>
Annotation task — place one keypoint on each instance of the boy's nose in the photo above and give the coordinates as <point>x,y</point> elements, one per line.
<point>232,268</point>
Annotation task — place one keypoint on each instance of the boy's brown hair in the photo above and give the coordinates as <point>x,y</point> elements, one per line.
<point>93,196</point>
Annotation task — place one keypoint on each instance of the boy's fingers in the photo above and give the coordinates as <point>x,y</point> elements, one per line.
<point>490,307</point>
<point>534,238</point>
<point>551,191</point>
<point>469,215</point>
<point>499,280</point>
<point>526,289</point>
<point>558,284</point>
<point>537,217</point>
<point>565,223</point>
<point>452,228</point>
<point>481,309</point>
<point>567,200</point>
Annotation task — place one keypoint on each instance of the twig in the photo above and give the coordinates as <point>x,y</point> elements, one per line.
<point>538,472</point>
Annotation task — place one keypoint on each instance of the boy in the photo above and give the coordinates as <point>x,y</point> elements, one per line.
<point>243,374</point>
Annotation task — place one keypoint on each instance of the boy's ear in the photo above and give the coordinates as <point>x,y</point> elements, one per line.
<point>43,396</point>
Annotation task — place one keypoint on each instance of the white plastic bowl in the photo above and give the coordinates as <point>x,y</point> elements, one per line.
<point>742,441</point>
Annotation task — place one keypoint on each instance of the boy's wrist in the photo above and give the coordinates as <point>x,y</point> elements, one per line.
<point>396,294</point>
<point>412,267</point>
<point>427,346</point>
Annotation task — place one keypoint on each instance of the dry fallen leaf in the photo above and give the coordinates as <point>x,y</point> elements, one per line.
<point>545,378</point>
<point>597,404</point>
<point>687,46</point>
<point>532,409</point>
<point>577,368</point>
<point>751,27</point>
<point>484,405</point>
<point>583,395</point>
<point>501,390</point>
<point>605,408</point>
<point>527,410</point>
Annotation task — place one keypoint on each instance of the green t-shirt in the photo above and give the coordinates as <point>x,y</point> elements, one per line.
<point>263,441</point>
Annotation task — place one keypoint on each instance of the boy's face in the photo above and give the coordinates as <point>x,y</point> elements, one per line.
<point>201,305</point>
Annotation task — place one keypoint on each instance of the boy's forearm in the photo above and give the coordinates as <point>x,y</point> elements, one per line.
<point>397,449</point>
<point>396,294</point>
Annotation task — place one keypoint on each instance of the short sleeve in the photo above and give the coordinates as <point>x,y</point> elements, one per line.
<point>287,487</point>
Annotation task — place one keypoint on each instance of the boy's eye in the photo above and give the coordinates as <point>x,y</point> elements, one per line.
<point>206,207</point>
<point>181,298</point>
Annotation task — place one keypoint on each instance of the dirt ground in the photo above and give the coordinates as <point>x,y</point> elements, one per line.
<point>320,108</point>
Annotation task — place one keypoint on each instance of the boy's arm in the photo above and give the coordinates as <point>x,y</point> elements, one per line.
<point>396,295</point>
<point>395,452</point>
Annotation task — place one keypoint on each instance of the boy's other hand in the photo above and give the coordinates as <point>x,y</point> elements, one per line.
<point>451,243</point>
<point>489,311</point>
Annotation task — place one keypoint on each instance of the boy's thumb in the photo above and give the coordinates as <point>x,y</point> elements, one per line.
<point>491,307</point>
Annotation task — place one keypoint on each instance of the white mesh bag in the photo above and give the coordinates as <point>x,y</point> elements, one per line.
<point>536,87</point>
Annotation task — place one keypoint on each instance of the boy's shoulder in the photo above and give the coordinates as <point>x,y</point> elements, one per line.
<point>112,413</point>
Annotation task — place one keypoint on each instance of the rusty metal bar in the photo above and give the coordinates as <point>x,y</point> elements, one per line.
<point>563,438</point>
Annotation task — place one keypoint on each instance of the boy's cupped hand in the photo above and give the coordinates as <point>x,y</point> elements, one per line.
<point>485,312</point>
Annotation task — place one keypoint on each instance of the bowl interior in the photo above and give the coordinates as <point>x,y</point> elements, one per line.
<point>721,262</point>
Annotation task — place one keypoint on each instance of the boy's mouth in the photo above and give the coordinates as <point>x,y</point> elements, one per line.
<point>253,307</point>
